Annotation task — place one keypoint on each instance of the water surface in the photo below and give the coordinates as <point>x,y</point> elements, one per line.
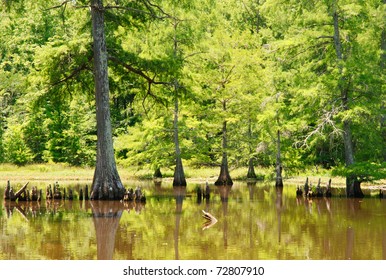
<point>255,221</point>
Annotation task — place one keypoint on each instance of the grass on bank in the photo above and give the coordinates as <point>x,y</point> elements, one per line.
<point>50,172</point>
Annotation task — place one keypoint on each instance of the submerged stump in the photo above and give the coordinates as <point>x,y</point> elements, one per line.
<point>7,191</point>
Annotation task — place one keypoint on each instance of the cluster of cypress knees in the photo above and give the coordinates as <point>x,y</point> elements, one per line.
<point>57,193</point>
<point>203,193</point>
<point>137,195</point>
<point>309,191</point>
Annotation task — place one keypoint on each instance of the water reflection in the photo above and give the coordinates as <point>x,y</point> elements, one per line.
<point>279,208</point>
<point>224,197</point>
<point>179,194</point>
<point>106,216</point>
<point>384,246</point>
<point>33,209</point>
<point>255,221</point>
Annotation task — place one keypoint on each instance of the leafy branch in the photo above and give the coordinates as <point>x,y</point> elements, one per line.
<point>150,81</point>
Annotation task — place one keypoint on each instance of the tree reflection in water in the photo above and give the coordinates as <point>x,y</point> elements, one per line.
<point>224,196</point>
<point>179,194</point>
<point>106,217</point>
<point>279,208</point>
<point>255,221</point>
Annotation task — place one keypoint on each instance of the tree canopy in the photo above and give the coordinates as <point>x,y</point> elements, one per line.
<point>315,70</point>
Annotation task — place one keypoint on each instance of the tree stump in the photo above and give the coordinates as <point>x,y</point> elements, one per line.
<point>49,192</point>
<point>86,197</point>
<point>319,192</point>
<point>70,194</point>
<point>328,189</point>
<point>306,187</point>
<point>34,193</point>
<point>7,190</point>
<point>157,173</point>
<point>81,194</point>
<point>20,194</point>
<point>251,175</point>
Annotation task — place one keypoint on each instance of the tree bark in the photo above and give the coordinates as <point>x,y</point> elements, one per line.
<point>353,188</point>
<point>7,190</point>
<point>224,178</point>
<point>106,184</point>
<point>279,168</point>
<point>179,175</point>
<point>383,104</point>
<point>251,170</point>
<point>157,173</point>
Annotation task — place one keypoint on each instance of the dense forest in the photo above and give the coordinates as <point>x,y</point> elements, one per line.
<point>283,84</point>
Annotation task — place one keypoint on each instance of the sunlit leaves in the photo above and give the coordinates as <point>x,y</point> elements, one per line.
<point>271,64</point>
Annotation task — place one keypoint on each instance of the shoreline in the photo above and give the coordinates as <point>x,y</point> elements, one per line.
<point>52,172</point>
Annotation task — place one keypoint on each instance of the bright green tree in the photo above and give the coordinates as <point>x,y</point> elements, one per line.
<point>331,51</point>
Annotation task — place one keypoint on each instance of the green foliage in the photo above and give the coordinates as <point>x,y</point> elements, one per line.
<point>35,133</point>
<point>15,149</point>
<point>148,144</point>
<point>362,171</point>
<point>261,66</point>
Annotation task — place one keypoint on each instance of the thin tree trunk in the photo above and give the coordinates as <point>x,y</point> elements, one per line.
<point>179,175</point>
<point>157,173</point>
<point>224,178</point>
<point>251,169</point>
<point>383,67</point>
<point>353,188</point>
<point>279,168</point>
<point>106,184</point>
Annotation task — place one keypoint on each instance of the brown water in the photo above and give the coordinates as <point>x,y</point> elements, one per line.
<point>254,222</point>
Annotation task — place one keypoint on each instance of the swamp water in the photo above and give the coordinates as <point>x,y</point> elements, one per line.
<point>255,221</point>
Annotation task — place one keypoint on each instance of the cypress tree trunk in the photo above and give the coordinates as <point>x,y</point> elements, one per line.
<point>353,188</point>
<point>106,184</point>
<point>224,179</point>
<point>251,170</point>
<point>179,175</point>
<point>279,178</point>
<point>157,173</point>
<point>383,104</point>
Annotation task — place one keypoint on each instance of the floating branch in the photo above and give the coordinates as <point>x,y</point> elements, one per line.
<point>211,220</point>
